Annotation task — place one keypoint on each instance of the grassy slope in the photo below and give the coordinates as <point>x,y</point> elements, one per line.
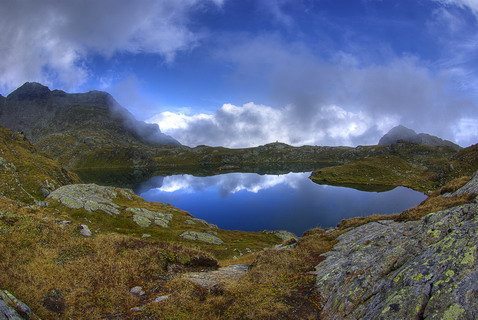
<point>383,170</point>
<point>418,167</point>
<point>24,171</point>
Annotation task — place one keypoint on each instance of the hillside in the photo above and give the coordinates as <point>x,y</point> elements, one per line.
<point>27,175</point>
<point>78,128</point>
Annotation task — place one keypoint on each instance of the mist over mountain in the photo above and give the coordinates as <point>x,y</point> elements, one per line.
<point>401,133</point>
<point>81,129</point>
<point>37,112</point>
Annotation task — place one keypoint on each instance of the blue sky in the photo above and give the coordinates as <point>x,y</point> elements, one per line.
<point>247,72</point>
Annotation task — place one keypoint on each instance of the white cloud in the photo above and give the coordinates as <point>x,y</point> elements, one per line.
<point>49,41</point>
<point>373,96</point>
<point>253,124</point>
<point>470,4</point>
<point>466,131</point>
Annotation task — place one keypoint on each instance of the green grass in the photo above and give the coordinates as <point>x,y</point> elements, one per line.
<point>383,170</point>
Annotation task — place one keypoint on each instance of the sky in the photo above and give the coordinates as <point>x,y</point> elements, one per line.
<point>241,73</point>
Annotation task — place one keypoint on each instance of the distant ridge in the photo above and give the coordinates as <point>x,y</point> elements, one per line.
<point>405,134</point>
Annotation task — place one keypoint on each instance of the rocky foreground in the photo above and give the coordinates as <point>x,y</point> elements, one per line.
<point>423,269</point>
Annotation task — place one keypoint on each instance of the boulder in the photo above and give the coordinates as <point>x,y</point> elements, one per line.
<point>138,290</point>
<point>211,279</point>
<point>201,236</point>
<point>85,231</point>
<point>90,197</point>
<point>144,217</point>
<point>194,221</point>
<point>425,269</point>
<point>282,234</point>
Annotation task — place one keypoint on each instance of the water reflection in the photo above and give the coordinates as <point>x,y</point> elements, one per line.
<point>247,201</point>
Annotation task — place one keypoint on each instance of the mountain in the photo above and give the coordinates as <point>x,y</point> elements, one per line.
<point>70,127</point>
<point>405,134</point>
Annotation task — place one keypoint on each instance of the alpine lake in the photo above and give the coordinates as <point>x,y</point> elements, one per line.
<point>277,198</point>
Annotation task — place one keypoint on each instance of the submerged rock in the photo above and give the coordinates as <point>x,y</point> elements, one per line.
<point>201,236</point>
<point>423,269</point>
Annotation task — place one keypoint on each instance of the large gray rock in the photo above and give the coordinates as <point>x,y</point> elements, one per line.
<point>426,269</point>
<point>405,134</point>
<point>194,221</point>
<point>471,187</point>
<point>13,309</point>
<point>90,197</point>
<point>282,234</point>
<point>210,279</point>
<point>201,236</point>
<point>144,217</point>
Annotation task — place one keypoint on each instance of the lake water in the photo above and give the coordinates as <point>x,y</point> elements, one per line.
<point>253,202</point>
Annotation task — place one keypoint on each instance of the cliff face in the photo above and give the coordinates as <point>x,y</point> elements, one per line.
<point>73,126</point>
<point>424,269</point>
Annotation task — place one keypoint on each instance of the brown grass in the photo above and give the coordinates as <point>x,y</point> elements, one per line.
<point>90,277</point>
<point>453,185</point>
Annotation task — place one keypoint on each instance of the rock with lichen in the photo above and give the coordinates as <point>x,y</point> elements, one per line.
<point>425,269</point>
<point>144,217</point>
<point>90,197</point>
<point>201,236</point>
<point>194,221</point>
<point>282,234</point>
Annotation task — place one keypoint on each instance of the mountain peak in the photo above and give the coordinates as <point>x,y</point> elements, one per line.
<point>405,134</point>
<point>30,91</point>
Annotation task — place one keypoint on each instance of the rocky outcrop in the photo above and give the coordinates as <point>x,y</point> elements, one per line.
<point>144,217</point>
<point>212,279</point>
<point>282,234</point>
<point>13,309</point>
<point>195,221</point>
<point>471,187</point>
<point>201,236</point>
<point>401,133</point>
<point>425,269</point>
<point>90,197</point>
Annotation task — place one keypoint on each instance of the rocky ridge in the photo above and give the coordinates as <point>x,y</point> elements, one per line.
<point>401,133</point>
<point>80,127</point>
<point>424,269</point>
